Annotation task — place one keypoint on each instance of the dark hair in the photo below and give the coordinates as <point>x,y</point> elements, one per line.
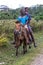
<point>26,7</point>
<point>22,11</point>
<point>17,22</point>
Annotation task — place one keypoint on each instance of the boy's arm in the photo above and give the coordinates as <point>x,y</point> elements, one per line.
<point>29,18</point>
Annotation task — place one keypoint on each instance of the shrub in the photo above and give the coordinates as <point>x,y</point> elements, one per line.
<point>3,40</point>
<point>36,26</point>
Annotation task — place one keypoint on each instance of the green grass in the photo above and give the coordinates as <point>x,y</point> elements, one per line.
<point>7,54</point>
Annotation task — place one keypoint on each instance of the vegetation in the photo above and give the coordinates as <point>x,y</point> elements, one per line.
<point>36,26</point>
<point>3,41</point>
<point>7,29</point>
<point>7,50</point>
<point>36,13</point>
<point>7,54</point>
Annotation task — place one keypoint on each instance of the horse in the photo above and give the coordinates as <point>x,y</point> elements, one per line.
<point>21,37</point>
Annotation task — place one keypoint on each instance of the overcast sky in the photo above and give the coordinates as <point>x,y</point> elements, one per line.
<point>19,3</point>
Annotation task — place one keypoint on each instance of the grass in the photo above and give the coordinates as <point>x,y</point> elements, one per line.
<point>7,54</point>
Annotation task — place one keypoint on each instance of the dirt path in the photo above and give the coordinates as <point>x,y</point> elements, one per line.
<point>38,60</point>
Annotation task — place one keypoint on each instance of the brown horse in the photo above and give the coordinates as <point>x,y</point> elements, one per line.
<point>21,38</point>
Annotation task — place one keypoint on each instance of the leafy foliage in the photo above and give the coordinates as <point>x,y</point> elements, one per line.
<point>36,26</point>
<point>7,29</point>
<point>3,40</point>
<point>36,12</point>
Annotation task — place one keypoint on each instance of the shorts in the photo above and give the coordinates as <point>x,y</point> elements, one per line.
<point>26,26</point>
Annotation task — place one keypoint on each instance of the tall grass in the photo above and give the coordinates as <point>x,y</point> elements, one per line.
<point>7,27</point>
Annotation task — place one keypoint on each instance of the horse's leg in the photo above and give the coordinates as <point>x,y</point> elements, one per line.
<point>26,37</point>
<point>29,38</point>
<point>25,43</point>
<point>30,45</point>
<point>24,47</point>
<point>17,46</point>
<point>15,37</point>
<point>16,51</point>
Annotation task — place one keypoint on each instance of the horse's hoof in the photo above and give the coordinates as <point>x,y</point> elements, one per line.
<point>35,46</point>
<point>16,54</point>
<point>29,47</point>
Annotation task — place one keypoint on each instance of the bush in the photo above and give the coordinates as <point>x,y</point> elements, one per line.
<point>36,26</point>
<point>7,26</point>
<point>3,41</point>
<point>7,29</point>
<point>37,18</point>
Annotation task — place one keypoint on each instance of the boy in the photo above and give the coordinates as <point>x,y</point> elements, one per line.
<point>23,19</point>
<point>29,27</point>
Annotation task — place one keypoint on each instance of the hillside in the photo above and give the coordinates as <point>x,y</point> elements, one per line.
<point>4,8</point>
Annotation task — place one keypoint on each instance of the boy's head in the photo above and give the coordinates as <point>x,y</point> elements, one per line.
<point>26,9</point>
<point>22,11</point>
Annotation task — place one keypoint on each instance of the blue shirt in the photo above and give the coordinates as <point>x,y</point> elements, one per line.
<point>23,19</point>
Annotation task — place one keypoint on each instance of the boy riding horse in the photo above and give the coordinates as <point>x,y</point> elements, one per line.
<point>28,25</point>
<point>20,31</point>
<point>22,23</point>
